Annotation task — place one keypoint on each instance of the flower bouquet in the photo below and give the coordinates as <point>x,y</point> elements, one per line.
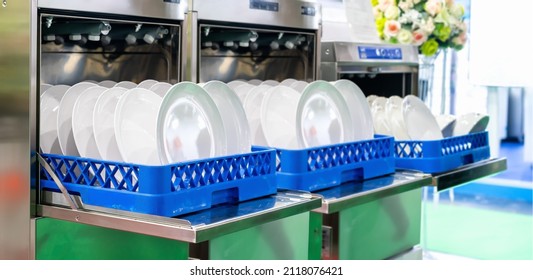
<point>429,24</point>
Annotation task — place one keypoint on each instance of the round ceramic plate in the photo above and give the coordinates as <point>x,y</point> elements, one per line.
<point>44,87</point>
<point>234,84</point>
<point>161,88</point>
<point>126,84</point>
<point>252,104</point>
<point>379,115</point>
<point>419,121</point>
<point>393,109</point>
<point>104,124</point>
<point>470,123</point>
<point>147,84</point>
<point>107,83</point>
<point>271,83</point>
<point>82,122</point>
<point>64,118</point>
<point>278,117</point>
<point>255,82</point>
<point>50,101</point>
<point>135,126</point>
<point>288,82</point>
<point>322,117</point>
<point>359,109</point>
<point>243,90</point>
<point>299,86</point>
<point>446,124</point>
<point>233,116</point>
<point>189,125</point>
<point>371,99</point>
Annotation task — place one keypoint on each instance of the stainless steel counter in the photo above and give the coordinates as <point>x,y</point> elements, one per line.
<point>469,173</point>
<point>353,194</point>
<point>193,228</point>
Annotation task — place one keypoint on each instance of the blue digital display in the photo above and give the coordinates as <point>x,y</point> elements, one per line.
<point>380,53</point>
<point>264,5</point>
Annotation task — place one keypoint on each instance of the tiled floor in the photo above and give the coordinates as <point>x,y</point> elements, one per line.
<point>490,218</point>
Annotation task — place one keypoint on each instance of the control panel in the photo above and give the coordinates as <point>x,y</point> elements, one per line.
<point>388,53</point>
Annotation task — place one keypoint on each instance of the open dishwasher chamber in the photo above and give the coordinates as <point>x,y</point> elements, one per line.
<point>98,40</point>
<point>254,39</point>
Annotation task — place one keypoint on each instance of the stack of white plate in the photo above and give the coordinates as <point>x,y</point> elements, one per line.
<point>294,114</point>
<point>409,118</point>
<point>149,123</point>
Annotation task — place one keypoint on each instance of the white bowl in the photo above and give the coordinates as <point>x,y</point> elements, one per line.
<point>371,99</point>
<point>50,102</point>
<point>419,121</point>
<point>64,118</point>
<point>189,125</point>
<point>234,84</point>
<point>359,109</point>
<point>322,117</point>
<point>446,124</point>
<point>135,126</point>
<point>236,125</point>
<point>278,117</point>
<point>271,83</point>
<point>288,82</point>
<point>43,88</point>
<point>470,123</point>
<point>104,124</point>
<point>82,122</point>
<point>299,86</point>
<point>107,83</point>
<point>255,82</point>
<point>242,91</point>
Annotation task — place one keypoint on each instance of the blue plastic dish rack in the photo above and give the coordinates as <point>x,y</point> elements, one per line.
<point>168,190</point>
<point>437,156</point>
<point>318,168</point>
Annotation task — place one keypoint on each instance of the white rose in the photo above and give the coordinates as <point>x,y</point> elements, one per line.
<point>433,7</point>
<point>457,11</point>
<point>392,12</point>
<point>384,4</point>
<point>427,26</point>
<point>405,37</point>
<point>406,5</point>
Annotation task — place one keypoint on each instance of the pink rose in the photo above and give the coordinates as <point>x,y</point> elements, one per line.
<point>419,37</point>
<point>384,4</point>
<point>392,28</point>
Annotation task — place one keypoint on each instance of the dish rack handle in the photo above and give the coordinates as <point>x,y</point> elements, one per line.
<point>72,203</point>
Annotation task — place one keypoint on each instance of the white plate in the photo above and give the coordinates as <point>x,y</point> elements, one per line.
<point>272,83</point>
<point>359,109</point>
<point>371,99</point>
<point>126,84</point>
<point>107,83</point>
<point>64,118</point>
<point>394,111</point>
<point>242,91</point>
<point>104,124</point>
<point>189,125</point>
<point>470,123</point>
<point>50,101</point>
<point>236,125</point>
<point>234,84</point>
<point>322,117</point>
<point>147,84</point>
<point>135,126</point>
<point>446,124</point>
<point>288,82</point>
<point>252,104</point>
<point>255,82</point>
<point>379,115</point>
<point>299,86</point>
<point>278,117</point>
<point>419,121</point>
<point>44,87</point>
<point>82,122</point>
<point>161,88</point>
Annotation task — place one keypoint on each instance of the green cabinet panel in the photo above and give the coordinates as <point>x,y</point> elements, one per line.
<point>382,228</point>
<point>284,239</point>
<point>63,240</point>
